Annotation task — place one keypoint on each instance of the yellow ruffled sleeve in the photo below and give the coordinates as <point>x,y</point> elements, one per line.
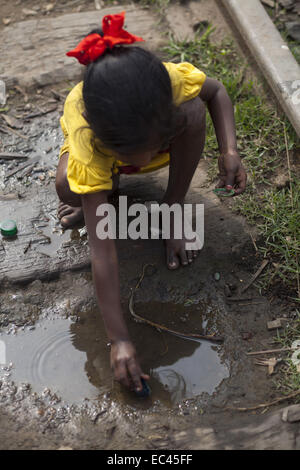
<point>89,170</point>
<point>186,81</point>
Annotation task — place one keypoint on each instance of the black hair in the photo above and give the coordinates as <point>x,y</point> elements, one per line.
<point>128,101</point>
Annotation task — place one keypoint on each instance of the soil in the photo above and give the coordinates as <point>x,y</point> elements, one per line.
<point>56,387</point>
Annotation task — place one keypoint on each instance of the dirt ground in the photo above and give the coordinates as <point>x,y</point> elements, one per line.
<point>56,388</point>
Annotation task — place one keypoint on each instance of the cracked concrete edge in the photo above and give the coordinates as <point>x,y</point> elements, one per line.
<point>271,52</point>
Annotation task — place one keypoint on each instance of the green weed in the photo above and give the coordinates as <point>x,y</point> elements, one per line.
<point>261,140</point>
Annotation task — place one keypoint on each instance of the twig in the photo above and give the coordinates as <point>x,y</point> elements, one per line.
<point>264,405</point>
<point>11,155</point>
<point>253,241</point>
<point>267,351</point>
<point>40,113</point>
<point>8,130</point>
<point>216,339</point>
<point>20,90</point>
<point>241,299</point>
<point>255,276</point>
<point>21,167</point>
<point>58,95</point>
<point>27,247</point>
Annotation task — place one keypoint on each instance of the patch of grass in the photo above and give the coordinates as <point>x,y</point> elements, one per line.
<point>276,216</point>
<point>261,140</point>
<point>288,377</point>
<point>259,128</point>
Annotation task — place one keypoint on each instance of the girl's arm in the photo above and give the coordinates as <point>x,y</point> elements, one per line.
<point>232,173</point>
<point>106,279</point>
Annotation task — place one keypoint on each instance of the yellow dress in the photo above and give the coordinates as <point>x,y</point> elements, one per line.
<point>90,165</point>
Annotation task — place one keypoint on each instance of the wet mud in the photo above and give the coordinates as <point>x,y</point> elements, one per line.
<point>56,373</point>
<point>56,386</point>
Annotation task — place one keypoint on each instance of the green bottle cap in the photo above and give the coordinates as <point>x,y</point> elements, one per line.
<point>223,192</point>
<point>8,228</point>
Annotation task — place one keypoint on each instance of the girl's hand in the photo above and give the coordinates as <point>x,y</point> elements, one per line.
<point>125,365</point>
<point>232,174</point>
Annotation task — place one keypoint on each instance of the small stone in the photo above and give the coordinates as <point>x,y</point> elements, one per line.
<point>217,276</point>
<point>287,4</point>
<point>293,29</point>
<point>291,414</point>
<point>6,21</point>
<point>99,4</point>
<point>28,12</point>
<point>49,7</point>
<point>268,3</point>
<point>272,325</point>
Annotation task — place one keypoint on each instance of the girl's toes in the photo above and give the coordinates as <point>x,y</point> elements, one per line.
<point>183,257</point>
<point>71,216</point>
<point>173,261</point>
<point>190,256</point>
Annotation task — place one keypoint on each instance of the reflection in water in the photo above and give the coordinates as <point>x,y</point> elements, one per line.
<point>72,359</point>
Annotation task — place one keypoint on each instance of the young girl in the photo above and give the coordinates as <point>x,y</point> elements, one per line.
<point>133,114</point>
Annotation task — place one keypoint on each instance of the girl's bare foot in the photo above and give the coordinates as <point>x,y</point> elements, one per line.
<point>177,254</point>
<point>68,215</point>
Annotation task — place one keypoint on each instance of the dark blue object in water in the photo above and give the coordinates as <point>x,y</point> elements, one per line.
<point>146,390</point>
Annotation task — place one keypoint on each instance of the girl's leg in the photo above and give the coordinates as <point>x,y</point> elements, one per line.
<point>186,150</point>
<point>69,208</point>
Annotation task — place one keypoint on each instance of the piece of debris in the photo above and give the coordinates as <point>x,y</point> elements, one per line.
<point>23,93</point>
<point>99,4</point>
<point>11,156</point>
<point>27,247</point>
<point>271,363</point>
<point>26,171</point>
<point>8,197</point>
<point>293,29</point>
<point>255,276</point>
<point>11,121</point>
<point>9,130</point>
<point>6,21</point>
<point>291,414</point>
<point>268,3</point>
<point>57,95</point>
<point>2,93</point>
<point>28,12</point>
<point>217,276</point>
<point>272,325</point>
<point>21,167</point>
<point>266,405</point>
<point>268,351</point>
<point>40,113</point>
<point>287,4</point>
<point>49,7</point>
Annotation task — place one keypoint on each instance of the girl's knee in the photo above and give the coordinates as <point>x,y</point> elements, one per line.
<point>62,185</point>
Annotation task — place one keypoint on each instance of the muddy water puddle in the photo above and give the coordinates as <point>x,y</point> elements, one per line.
<point>71,358</point>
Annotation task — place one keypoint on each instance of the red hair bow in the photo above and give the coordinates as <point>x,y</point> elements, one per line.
<point>94,45</point>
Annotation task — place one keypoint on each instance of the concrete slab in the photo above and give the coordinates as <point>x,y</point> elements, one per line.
<point>33,52</point>
<point>271,53</point>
